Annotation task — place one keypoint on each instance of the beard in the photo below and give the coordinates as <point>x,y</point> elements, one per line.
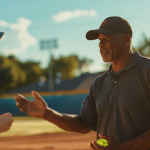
<point>107,55</point>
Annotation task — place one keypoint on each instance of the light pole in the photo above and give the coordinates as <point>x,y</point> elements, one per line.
<point>50,73</point>
<point>49,45</point>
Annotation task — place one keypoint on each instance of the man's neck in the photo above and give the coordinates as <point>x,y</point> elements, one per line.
<point>120,64</point>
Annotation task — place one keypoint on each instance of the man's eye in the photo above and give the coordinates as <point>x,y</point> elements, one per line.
<point>107,38</point>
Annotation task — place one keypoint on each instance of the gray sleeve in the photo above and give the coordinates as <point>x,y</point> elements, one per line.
<point>88,113</point>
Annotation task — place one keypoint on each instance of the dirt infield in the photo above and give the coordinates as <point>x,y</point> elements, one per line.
<point>52,141</point>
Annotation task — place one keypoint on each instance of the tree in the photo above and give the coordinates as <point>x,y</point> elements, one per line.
<point>6,79</point>
<point>83,64</point>
<point>143,46</point>
<point>32,70</point>
<point>14,73</point>
<point>68,65</point>
<point>11,74</point>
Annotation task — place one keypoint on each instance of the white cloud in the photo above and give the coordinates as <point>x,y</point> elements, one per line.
<point>18,38</point>
<point>65,15</point>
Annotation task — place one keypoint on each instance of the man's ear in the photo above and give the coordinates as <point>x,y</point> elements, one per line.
<point>127,39</point>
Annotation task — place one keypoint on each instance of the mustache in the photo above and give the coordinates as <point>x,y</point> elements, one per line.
<point>104,49</point>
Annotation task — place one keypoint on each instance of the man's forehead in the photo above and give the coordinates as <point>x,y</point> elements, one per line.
<point>119,34</point>
<point>102,35</point>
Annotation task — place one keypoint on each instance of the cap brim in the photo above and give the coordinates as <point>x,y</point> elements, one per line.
<point>93,34</point>
<point>1,34</point>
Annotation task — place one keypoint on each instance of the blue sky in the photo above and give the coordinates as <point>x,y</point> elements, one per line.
<point>27,22</point>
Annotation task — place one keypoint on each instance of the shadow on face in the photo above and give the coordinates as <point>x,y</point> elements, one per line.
<point>112,47</point>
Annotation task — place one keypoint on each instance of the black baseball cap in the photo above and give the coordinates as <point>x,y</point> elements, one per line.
<point>1,34</point>
<point>110,26</point>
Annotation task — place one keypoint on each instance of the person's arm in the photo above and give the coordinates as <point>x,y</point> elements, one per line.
<point>39,108</point>
<point>66,122</point>
<point>141,142</point>
<point>5,122</point>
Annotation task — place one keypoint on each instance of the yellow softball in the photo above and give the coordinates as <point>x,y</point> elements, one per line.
<point>102,142</point>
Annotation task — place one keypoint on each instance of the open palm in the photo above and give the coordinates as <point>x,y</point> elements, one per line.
<point>35,108</point>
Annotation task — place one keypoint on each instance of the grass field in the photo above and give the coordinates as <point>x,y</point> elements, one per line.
<point>29,126</point>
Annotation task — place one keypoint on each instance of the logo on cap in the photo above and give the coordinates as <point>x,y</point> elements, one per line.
<point>103,23</point>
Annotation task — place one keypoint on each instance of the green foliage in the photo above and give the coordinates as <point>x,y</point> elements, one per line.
<point>143,46</point>
<point>14,73</point>
<point>83,64</point>
<point>68,65</point>
<point>32,70</point>
<point>11,74</point>
<point>6,79</point>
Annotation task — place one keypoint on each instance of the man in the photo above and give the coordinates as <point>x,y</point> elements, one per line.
<point>117,106</point>
<point>5,119</point>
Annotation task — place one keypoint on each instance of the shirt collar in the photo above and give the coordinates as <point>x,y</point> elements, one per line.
<point>131,62</point>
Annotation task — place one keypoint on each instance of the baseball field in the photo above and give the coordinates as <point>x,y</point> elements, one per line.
<point>29,133</point>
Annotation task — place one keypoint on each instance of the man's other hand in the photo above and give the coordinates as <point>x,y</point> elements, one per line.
<point>112,144</point>
<point>35,108</point>
<point>5,122</point>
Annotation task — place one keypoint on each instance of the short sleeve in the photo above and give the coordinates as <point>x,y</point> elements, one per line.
<point>88,113</point>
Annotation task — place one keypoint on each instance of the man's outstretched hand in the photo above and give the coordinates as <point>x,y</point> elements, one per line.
<point>35,108</point>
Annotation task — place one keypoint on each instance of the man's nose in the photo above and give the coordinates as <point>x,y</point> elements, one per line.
<point>101,44</point>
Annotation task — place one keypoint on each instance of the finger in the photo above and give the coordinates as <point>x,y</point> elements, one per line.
<point>7,114</point>
<point>103,136</point>
<point>97,146</point>
<point>18,104</point>
<point>22,110</point>
<point>92,147</point>
<point>22,100</point>
<point>21,96</point>
<point>17,99</point>
<point>36,95</point>
<point>109,139</point>
<point>22,106</point>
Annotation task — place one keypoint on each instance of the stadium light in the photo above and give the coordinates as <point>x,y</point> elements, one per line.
<point>49,44</point>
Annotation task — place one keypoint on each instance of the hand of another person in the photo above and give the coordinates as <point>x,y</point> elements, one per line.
<point>5,122</point>
<point>35,108</point>
<point>112,144</point>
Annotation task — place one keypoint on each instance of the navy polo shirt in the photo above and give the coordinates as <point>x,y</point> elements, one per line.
<point>119,106</point>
